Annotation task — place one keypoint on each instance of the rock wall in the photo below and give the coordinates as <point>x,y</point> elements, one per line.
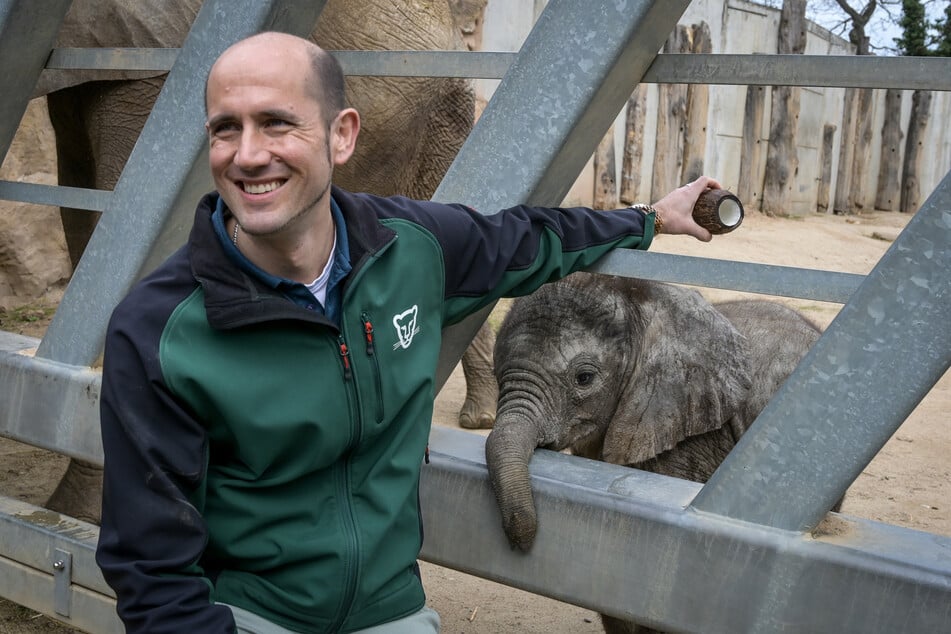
<point>34,265</point>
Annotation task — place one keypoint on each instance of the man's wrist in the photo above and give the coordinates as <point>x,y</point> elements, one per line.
<point>648,210</point>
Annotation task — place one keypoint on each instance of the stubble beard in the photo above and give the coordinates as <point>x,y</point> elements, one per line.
<point>303,211</point>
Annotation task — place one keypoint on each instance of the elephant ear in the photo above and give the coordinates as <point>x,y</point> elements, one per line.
<point>691,374</point>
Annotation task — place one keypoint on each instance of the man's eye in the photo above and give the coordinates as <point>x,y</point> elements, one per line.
<point>276,123</point>
<point>224,129</point>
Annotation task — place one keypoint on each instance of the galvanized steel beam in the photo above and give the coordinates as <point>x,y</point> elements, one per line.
<point>27,33</point>
<point>30,537</point>
<point>766,279</point>
<point>838,71</point>
<point>575,70</point>
<point>879,357</point>
<point>611,539</point>
<point>153,203</point>
<point>626,542</point>
<point>55,195</point>
<point>46,403</point>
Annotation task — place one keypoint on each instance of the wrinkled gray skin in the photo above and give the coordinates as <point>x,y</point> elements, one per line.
<point>412,129</point>
<point>635,373</point>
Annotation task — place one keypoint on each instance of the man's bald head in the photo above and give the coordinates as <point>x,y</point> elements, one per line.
<point>323,78</point>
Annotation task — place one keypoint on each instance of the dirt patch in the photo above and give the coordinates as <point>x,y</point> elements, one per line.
<point>907,484</point>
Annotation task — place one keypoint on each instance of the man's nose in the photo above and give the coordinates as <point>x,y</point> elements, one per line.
<point>252,149</point>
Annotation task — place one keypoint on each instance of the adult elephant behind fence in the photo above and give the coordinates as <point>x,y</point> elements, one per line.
<point>412,129</point>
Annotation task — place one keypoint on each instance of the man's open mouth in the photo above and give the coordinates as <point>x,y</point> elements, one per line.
<point>260,188</point>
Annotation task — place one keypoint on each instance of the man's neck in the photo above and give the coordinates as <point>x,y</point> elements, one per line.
<point>295,255</point>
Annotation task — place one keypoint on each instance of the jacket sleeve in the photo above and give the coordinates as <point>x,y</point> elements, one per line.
<point>152,534</point>
<point>515,251</point>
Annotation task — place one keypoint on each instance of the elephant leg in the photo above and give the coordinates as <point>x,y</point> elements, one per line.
<point>96,126</point>
<point>482,390</point>
<point>79,493</point>
<point>449,123</point>
<point>618,626</point>
<point>75,166</point>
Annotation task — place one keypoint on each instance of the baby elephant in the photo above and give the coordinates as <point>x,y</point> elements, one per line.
<point>635,373</point>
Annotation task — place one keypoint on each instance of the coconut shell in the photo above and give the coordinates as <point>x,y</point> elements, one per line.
<point>718,211</point>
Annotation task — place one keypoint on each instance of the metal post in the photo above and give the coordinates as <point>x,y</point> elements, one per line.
<point>27,33</point>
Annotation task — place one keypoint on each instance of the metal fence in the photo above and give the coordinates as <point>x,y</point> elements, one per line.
<point>739,554</point>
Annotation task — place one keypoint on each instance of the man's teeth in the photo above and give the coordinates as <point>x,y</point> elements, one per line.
<point>261,188</point>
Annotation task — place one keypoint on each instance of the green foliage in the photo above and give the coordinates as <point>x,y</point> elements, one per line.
<point>920,36</point>
<point>943,44</point>
<point>913,40</point>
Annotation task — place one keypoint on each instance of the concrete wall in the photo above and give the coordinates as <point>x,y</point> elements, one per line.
<point>737,26</point>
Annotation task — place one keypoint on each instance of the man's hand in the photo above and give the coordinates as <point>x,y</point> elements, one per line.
<point>676,209</point>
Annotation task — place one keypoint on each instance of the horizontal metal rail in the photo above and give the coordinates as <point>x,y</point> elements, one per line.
<point>32,573</point>
<point>609,536</point>
<point>842,71</point>
<point>55,195</point>
<point>48,404</point>
<point>766,279</point>
<point>853,576</point>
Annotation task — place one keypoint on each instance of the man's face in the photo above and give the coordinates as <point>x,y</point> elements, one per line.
<point>269,146</point>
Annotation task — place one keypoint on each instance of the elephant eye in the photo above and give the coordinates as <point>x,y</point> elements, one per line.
<point>584,378</point>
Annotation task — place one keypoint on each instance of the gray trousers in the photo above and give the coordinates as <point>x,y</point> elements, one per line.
<point>426,621</point>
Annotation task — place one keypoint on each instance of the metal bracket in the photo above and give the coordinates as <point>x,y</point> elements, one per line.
<point>62,578</point>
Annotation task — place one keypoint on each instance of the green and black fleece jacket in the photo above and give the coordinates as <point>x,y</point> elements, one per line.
<point>258,455</point>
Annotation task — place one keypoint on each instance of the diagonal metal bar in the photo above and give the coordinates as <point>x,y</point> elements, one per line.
<point>573,74</point>
<point>880,356</point>
<point>154,200</point>
<point>27,33</point>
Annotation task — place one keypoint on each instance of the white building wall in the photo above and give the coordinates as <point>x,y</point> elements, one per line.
<point>739,26</point>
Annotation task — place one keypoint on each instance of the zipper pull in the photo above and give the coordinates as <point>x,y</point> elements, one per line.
<point>345,355</point>
<point>368,331</point>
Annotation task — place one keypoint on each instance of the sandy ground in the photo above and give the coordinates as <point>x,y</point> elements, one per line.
<point>907,484</point>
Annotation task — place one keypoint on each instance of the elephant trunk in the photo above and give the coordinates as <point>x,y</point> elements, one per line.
<point>508,450</point>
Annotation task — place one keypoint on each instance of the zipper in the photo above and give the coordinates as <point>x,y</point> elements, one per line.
<point>344,492</point>
<point>350,573</point>
<point>344,357</point>
<point>371,353</point>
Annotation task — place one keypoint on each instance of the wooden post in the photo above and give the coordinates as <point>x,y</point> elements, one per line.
<point>842,204</point>
<point>750,186</point>
<point>782,160</point>
<point>917,128</point>
<point>863,148</point>
<point>888,188</point>
<point>671,122</point>
<point>825,169</point>
<point>605,182</point>
<point>631,189</point>
<point>698,100</point>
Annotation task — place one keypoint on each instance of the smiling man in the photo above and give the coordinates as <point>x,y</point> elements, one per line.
<point>267,392</point>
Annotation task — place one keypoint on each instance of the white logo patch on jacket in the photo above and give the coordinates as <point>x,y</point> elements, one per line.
<point>406,328</point>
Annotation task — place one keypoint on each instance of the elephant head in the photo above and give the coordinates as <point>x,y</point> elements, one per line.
<point>615,369</point>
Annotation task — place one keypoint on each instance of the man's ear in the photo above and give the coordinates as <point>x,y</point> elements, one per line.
<point>344,132</point>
